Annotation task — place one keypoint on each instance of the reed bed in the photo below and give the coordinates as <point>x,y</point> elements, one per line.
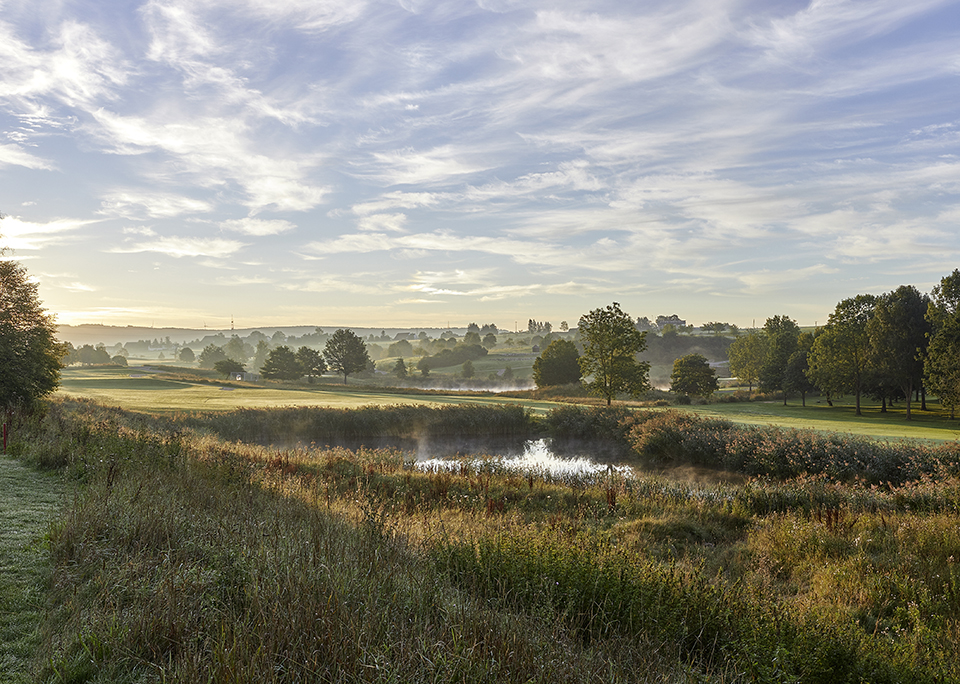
<point>186,555</point>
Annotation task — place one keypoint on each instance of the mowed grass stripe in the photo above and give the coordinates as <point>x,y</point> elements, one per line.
<point>28,504</point>
<point>157,395</point>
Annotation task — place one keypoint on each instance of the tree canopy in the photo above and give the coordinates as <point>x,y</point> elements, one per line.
<point>747,355</point>
<point>839,360</point>
<point>346,353</point>
<point>558,364</point>
<point>693,376</point>
<point>282,364</point>
<point>227,367</point>
<point>30,355</point>
<point>611,343</point>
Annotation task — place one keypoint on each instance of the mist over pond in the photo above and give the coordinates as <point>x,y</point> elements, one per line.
<point>547,456</point>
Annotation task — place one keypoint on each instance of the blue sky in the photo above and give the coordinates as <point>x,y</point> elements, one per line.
<point>415,163</point>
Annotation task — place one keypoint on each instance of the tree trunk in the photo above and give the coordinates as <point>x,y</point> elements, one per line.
<point>909,393</point>
<point>923,398</point>
<point>883,404</point>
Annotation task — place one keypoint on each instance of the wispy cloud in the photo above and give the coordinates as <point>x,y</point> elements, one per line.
<point>183,247</point>
<point>257,227</point>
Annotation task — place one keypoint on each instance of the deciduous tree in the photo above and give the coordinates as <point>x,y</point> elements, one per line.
<point>210,355</point>
<point>311,361</point>
<point>840,358</point>
<point>899,334</point>
<point>30,355</point>
<point>558,364</point>
<point>747,355</point>
<point>228,367</point>
<point>693,376</point>
<point>611,343</point>
<point>346,353</point>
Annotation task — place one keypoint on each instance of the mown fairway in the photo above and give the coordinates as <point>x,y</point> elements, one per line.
<point>144,389</point>
<point>841,417</point>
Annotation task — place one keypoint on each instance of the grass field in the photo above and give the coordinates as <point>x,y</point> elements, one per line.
<point>150,389</point>
<point>145,389</point>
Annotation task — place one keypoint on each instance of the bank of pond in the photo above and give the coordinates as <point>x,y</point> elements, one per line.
<point>483,543</point>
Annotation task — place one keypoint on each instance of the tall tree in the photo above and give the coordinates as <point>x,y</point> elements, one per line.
<point>611,343</point>
<point>311,361</point>
<point>942,363</point>
<point>282,364</point>
<point>346,353</point>
<point>783,336</point>
<point>30,355</point>
<point>210,355</point>
<point>558,364</point>
<point>841,354</point>
<point>747,355</point>
<point>899,334</point>
<point>693,376</point>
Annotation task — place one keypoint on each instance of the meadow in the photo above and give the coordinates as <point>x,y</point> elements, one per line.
<point>185,552</point>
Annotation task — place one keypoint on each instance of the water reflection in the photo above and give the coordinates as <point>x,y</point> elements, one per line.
<point>537,457</point>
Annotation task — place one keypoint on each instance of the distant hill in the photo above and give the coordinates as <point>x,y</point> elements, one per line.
<point>110,335</point>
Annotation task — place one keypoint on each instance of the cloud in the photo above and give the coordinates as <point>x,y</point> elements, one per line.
<point>16,156</point>
<point>17,234</point>
<point>257,227</point>
<point>184,247</point>
<point>141,205</point>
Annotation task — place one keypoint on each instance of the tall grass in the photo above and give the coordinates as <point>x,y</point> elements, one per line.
<point>319,424</point>
<point>185,556</point>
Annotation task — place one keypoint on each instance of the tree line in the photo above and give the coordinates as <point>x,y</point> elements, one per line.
<point>891,347</point>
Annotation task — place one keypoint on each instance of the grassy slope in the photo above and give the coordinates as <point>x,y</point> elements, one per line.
<point>27,506</point>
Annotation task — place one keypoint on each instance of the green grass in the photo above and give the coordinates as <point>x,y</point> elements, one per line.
<point>28,505</point>
<point>120,387</point>
<point>841,417</point>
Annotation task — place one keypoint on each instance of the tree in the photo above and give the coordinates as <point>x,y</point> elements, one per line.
<point>401,348</point>
<point>747,355</point>
<point>235,349</point>
<point>260,354</point>
<point>611,343</point>
<point>471,338</point>
<point>400,369</point>
<point>467,371</point>
<point>311,361</point>
<point>558,364</point>
<point>228,367</point>
<point>282,364</point>
<point>563,326</point>
<point>942,362</point>
<point>489,340</point>
<point>119,360</point>
<point>693,376</point>
<point>783,336</point>
<point>899,333</point>
<point>186,355</point>
<point>30,355</point>
<point>210,355</point>
<point>795,377</point>
<point>716,327</point>
<point>839,360</point>
<point>346,353</point>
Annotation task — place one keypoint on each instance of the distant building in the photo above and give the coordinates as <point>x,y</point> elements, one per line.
<point>247,377</point>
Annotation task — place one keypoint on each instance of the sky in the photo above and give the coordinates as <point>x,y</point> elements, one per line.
<point>417,163</point>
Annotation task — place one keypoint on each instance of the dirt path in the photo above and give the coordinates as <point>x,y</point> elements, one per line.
<point>29,500</point>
